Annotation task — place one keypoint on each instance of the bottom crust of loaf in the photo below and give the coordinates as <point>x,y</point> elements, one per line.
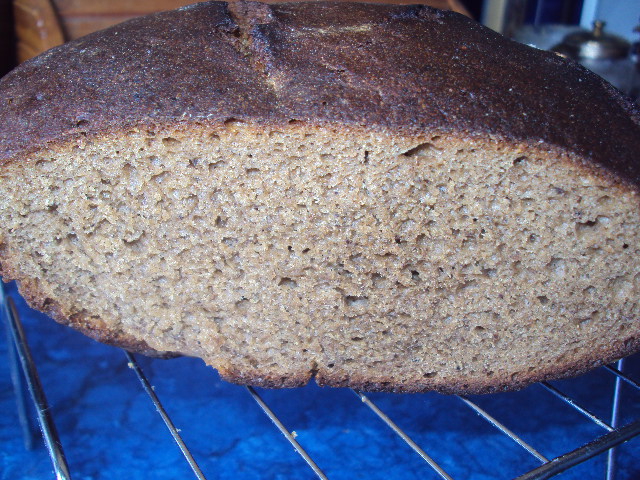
<point>329,378</point>
<point>356,257</point>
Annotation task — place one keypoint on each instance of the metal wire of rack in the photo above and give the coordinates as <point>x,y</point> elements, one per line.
<point>24,370</point>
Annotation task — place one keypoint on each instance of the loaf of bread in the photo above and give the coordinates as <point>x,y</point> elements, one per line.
<point>383,197</point>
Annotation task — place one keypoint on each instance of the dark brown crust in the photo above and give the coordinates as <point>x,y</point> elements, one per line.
<point>408,68</point>
<point>447,386</point>
<point>266,379</point>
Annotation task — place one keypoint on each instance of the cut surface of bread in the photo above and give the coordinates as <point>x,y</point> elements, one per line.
<point>362,258</point>
<point>383,255</point>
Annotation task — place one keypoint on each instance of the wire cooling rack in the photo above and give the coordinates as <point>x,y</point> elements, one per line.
<point>608,434</point>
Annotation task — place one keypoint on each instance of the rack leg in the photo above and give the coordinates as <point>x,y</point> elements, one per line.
<point>45,418</point>
<point>19,390</point>
<point>615,417</point>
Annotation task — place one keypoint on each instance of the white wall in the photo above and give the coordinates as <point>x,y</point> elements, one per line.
<point>621,16</point>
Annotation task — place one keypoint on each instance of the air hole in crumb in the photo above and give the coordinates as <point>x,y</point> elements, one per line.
<point>154,160</point>
<point>127,170</point>
<point>242,304</point>
<point>357,258</point>
<point>419,150</point>
<point>429,374</point>
<point>415,275</point>
<point>377,280</point>
<point>519,160</point>
<point>479,329</point>
<point>543,299</point>
<point>193,163</point>
<point>233,122</point>
<point>220,222</point>
<point>590,227</point>
<point>306,250</point>
<point>357,339</point>
<point>466,286</point>
<point>489,272</point>
<point>170,141</point>
<point>582,320</point>
<point>293,121</point>
<point>588,223</point>
<point>625,246</point>
<point>252,171</point>
<point>71,238</point>
<point>131,242</point>
<point>330,365</point>
<point>82,123</point>
<point>218,164</point>
<point>287,282</point>
<point>557,266</point>
<point>355,301</point>
<point>230,241</point>
<point>621,286</point>
<point>43,163</point>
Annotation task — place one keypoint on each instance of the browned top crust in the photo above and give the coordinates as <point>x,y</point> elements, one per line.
<point>407,68</point>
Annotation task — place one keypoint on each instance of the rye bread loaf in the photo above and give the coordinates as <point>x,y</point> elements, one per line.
<point>385,197</point>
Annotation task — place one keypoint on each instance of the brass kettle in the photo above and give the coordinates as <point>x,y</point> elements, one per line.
<point>593,45</point>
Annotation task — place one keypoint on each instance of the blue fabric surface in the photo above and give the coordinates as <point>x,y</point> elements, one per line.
<point>110,429</point>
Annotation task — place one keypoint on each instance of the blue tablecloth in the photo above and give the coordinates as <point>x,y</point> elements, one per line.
<point>110,429</point>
